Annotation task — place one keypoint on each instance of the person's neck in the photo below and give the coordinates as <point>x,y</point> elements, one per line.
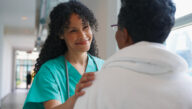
<point>76,57</point>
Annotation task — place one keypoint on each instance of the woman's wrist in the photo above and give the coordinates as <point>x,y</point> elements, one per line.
<point>71,101</point>
<point>74,97</point>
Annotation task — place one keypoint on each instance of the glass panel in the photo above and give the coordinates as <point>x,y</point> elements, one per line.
<point>180,42</point>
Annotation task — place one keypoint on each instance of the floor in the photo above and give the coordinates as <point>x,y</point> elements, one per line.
<point>14,100</point>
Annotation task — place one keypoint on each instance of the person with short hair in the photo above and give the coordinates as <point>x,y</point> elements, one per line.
<point>143,74</point>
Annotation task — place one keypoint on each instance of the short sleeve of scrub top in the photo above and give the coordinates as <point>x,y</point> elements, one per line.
<point>50,82</point>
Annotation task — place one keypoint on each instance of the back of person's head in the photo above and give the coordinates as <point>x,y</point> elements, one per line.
<point>147,20</point>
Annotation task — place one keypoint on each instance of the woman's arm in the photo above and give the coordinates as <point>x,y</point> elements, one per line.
<point>54,104</point>
<point>84,82</point>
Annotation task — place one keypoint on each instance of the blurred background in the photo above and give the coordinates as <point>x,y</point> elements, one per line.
<point>23,30</point>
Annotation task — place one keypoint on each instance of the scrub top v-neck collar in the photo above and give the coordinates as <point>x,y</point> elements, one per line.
<point>73,72</point>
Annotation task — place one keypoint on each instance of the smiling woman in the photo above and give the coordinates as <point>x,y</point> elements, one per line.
<point>69,53</point>
<point>78,36</point>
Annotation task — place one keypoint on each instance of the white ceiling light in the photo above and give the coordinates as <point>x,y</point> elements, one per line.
<point>24,18</point>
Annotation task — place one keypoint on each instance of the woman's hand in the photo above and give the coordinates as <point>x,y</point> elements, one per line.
<point>84,82</point>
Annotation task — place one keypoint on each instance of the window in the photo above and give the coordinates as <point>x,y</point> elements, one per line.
<point>180,38</point>
<point>183,7</point>
<point>180,42</point>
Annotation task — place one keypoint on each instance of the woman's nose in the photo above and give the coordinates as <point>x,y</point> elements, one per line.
<point>82,34</point>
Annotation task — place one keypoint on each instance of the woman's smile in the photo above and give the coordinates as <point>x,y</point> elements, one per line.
<point>82,42</point>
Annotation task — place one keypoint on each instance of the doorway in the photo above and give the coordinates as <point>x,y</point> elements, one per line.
<point>25,62</point>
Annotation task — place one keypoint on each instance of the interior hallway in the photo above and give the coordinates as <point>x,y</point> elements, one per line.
<point>15,100</point>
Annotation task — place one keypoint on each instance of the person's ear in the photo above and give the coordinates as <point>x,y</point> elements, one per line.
<point>127,37</point>
<point>125,34</point>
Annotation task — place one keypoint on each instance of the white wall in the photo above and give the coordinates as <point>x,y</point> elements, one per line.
<point>21,42</point>
<point>9,40</point>
<point>13,86</point>
<point>6,68</point>
<point>106,13</point>
<point>1,57</point>
<point>1,35</point>
<point>9,44</point>
<point>5,63</point>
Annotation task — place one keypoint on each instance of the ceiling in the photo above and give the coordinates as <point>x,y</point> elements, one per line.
<point>13,11</point>
<point>11,14</point>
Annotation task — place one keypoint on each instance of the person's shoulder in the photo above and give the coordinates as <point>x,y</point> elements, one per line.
<point>99,62</point>
<point>54,61</point>
<point>52,65</point>
<point>97,59</point>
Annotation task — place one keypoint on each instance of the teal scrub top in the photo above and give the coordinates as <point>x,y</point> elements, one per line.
<point>50,81</point>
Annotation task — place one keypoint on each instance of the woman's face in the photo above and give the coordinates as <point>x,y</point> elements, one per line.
<point>78,36</point>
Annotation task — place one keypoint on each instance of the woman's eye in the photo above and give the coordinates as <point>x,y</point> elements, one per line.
<point>85,27</point>
<point>73,31</point>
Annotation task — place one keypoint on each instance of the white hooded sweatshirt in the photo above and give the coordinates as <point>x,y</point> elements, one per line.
<point>142,76</point>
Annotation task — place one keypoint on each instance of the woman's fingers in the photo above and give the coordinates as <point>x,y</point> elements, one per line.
<point>79,87</point>
<point>80,93</point>
<point>85,81</point>
<point>83,85</point>
<point>87,77</point>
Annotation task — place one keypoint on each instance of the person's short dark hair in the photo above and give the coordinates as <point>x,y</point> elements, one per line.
<point>147,20</point>
<point>54,46</point>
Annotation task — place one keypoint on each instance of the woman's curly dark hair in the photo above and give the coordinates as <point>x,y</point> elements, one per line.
<point>60,19</point>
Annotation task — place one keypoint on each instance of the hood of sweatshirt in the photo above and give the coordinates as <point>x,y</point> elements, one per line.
<point>147,57</point>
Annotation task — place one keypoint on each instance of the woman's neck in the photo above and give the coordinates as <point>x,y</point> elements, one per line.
<point>76,58</point>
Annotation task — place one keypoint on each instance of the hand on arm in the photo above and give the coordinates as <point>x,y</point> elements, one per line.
<point>84,82</point>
